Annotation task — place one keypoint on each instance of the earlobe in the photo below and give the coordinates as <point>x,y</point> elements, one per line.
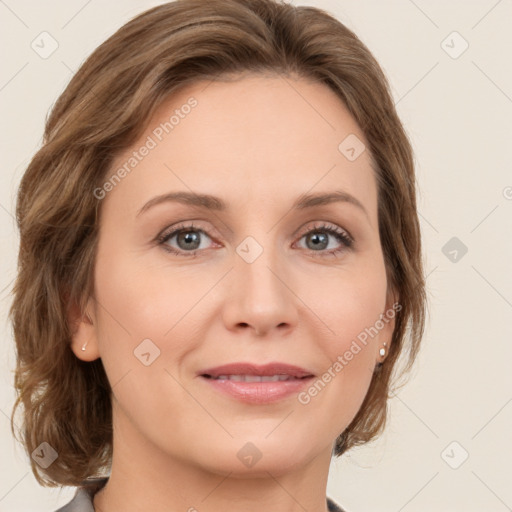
<point>388,318</point>
<point>83,338</point>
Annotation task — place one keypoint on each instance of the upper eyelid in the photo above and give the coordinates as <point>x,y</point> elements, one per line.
<point>325,225</point>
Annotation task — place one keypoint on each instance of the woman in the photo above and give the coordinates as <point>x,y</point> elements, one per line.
<point>159,376</point>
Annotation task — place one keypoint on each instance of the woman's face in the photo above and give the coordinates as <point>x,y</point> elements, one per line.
<point>258,281</point>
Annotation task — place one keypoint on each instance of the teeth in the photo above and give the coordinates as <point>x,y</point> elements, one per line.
<point>255,378</point>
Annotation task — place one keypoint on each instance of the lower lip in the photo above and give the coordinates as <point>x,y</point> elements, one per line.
<point>259,392</point>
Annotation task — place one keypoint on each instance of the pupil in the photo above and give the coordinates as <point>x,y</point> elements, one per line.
<point>315,238</point>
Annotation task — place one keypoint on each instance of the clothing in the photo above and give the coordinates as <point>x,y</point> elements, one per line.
<point>82,501</point>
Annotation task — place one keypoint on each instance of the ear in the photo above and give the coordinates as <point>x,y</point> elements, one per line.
<point>84,341</point>
<point>389,314</point>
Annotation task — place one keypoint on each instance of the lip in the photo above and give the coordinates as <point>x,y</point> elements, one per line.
<point>257,392</point>
<point>269,369</point>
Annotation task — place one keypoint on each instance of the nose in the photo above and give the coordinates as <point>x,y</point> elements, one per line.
<point>260,298</point>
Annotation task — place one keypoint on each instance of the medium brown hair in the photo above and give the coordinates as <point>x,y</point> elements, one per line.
<point>105,107</point>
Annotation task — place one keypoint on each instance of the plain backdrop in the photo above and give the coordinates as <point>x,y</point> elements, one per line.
<point>448,444</point>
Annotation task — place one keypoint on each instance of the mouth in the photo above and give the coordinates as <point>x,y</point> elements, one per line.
<point>255,384</point>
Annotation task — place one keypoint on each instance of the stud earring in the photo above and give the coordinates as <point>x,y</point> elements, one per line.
<point>84,345</point>
<point>382,351</point>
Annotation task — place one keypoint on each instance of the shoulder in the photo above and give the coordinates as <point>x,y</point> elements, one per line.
<point>333,506</point>
<point>82,500</point>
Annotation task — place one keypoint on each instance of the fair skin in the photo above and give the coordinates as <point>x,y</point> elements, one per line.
<point>258,144</point>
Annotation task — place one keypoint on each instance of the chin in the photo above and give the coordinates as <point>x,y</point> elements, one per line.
<point>256,456</point>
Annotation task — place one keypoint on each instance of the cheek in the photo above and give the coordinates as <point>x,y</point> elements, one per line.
<point>137,295</point>
<point>349,305</point>
<point>139,301</point>
<point>349,346</point>
<point>139,345</point>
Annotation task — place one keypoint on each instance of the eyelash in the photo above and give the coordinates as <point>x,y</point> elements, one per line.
<point>337,232</point>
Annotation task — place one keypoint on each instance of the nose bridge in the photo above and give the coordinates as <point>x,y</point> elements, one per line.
<point>258,264</point>
<point>260,296</point>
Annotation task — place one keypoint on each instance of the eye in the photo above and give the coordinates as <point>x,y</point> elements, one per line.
<point>187,235</point>
<point>318,238</point>
<point>188,238</point>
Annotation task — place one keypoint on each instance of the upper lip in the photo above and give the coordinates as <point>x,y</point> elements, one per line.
<point>254,369</point>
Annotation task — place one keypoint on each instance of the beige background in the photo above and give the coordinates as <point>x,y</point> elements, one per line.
<point>458,113</point>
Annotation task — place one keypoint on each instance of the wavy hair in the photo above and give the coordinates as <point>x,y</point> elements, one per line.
<point>105,107</point>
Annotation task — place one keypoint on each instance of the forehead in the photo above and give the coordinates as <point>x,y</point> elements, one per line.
<point>255,138</point>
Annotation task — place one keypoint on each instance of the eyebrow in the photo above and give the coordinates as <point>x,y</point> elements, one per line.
<point>209,202</point>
